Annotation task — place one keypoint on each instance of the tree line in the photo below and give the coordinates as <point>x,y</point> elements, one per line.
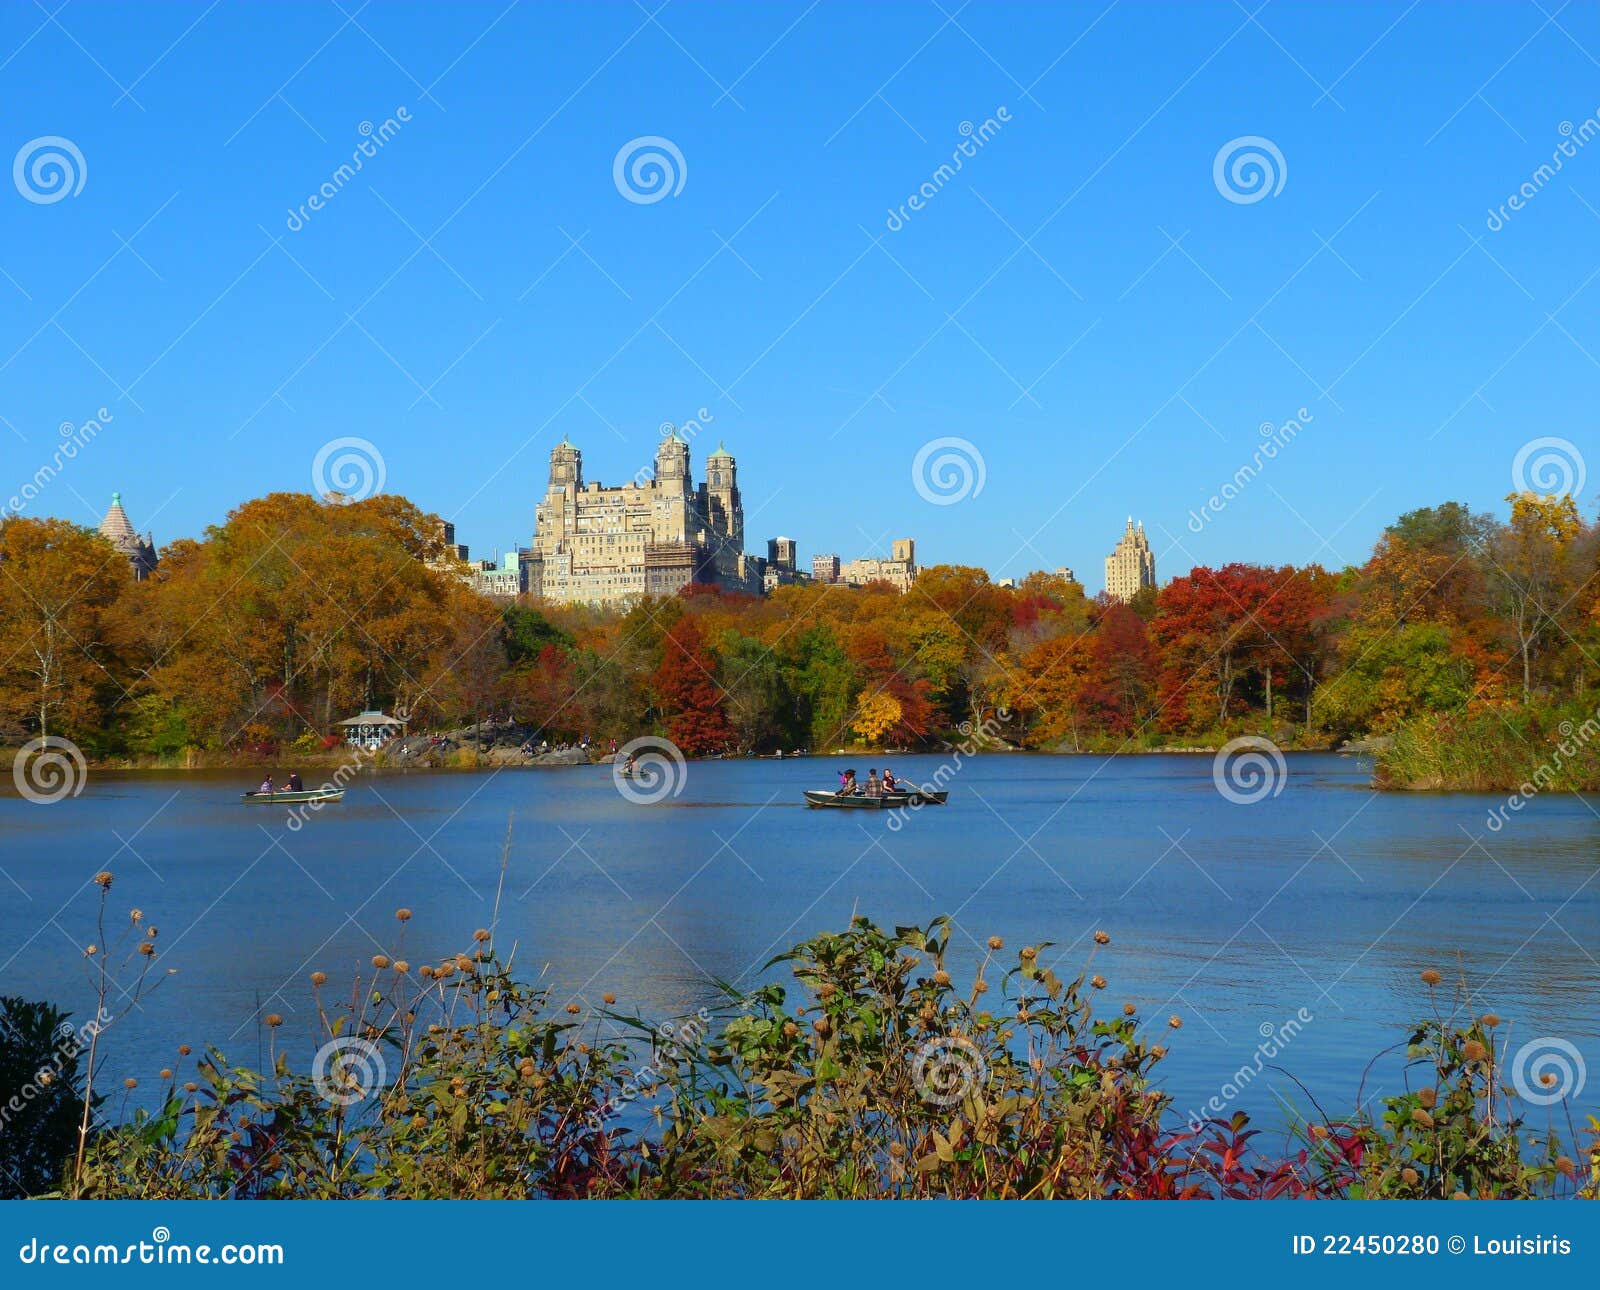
<point>294,613</point>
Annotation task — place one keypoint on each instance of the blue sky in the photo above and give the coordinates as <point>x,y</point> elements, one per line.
<point>1081,302</point>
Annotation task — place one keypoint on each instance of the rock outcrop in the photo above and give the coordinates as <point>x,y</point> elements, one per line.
<point>492,743</point>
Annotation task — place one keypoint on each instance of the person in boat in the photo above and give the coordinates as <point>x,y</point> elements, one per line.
<point>847,784</point>
<point>266,786</point>
<point>295,786</point>
<point>890,783</point>
<point>874,784</point>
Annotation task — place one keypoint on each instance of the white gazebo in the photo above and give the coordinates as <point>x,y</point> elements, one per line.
<point>371,729</point>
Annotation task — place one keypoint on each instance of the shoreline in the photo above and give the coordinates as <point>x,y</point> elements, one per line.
<point>329,760</point>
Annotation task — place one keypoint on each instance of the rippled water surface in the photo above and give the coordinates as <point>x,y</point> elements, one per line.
<point>1327,897</point>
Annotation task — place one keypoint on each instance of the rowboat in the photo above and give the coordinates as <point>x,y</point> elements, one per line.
<point>883,802</point>
<point>288,797</point>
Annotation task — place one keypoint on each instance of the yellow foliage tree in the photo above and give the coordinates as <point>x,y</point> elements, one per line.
<point>876,717</point>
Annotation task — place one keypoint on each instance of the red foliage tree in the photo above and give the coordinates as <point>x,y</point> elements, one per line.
<point>1123,667</point>
<point>687,693</point>
<point>1210,631</point>
<point>545,693</point>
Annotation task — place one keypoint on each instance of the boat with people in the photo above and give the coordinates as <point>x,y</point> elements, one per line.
<point>912,796</point>
<point>264,797</point>
<point>269,794</point>
<point>880,792</point>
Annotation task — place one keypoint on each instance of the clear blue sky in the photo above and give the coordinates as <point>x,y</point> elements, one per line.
<point>1036,307</point>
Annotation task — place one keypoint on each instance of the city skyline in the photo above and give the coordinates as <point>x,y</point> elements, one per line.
<point>1129,566</point>
<point>505,575</point>
<point>1125,313</point>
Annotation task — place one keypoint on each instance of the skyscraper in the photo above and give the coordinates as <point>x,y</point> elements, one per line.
<point>1132,565</point>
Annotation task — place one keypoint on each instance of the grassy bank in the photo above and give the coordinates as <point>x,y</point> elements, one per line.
<point>1523,750</point>
<point>872,1072</point>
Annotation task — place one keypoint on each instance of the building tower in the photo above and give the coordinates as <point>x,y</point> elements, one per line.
<point>672,464</point>
<point>724,511</point>
<point>566,466</point>
<point>782,554</point>
<point>116,529</point>
<point>1132,565</point>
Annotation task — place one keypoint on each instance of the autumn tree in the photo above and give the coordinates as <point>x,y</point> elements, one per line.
<point>1210,630</point>
<point>758,700</point>
<point>1047,691</point>
<point>878,715</point>
<point>1123,666</point>
<point>59,584</point>
<point>1426,567</point>
<point>687,693</point>
<point>1531,577</point>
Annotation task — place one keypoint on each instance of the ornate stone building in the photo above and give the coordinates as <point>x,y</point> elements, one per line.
<point>782,554</point>
<point>1132,565</point>
<point>650,537</point>
<point>116,529</point>
<point>900,570</point>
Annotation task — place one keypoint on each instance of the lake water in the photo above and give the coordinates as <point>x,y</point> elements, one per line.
<point>1327,897</point>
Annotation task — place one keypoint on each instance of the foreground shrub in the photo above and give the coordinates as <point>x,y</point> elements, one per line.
<point>873,1075</point>
<point>41,1096</point>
